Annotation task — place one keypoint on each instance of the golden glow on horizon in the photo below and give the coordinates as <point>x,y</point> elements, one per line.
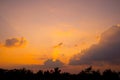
<point>30,55</point>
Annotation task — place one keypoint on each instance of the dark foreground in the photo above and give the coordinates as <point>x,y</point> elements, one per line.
<point>87,74</point>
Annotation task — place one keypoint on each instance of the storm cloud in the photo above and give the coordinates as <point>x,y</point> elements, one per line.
<point>107,51</point>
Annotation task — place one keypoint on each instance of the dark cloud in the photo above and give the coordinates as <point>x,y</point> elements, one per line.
<point>106,52</point>
<point>52,64</point>
<point>14,42</point>
<point>58,45</point>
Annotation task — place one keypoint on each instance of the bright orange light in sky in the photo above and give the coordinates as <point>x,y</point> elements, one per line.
<point>56,51</point>
<point>55,54</point>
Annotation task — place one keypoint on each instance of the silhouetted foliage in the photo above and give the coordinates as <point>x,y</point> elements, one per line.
<point>56,74</point>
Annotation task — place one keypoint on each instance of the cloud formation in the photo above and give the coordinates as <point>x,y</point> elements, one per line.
<point>52,64</point>
<point>58,45</point>
<point>14,42</point>
<point>106,52</point>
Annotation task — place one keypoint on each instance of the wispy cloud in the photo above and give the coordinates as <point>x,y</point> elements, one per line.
<point>58,45</point>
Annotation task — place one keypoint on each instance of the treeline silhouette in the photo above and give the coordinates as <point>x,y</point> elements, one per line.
<point>56,74</point>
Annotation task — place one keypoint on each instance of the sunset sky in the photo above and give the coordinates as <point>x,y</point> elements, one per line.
<point>63,33</point>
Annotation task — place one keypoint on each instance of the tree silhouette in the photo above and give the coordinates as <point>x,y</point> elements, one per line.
<point>110,75</point>
<point>56,74</point>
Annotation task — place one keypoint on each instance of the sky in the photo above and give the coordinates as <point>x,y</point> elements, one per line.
<point>59,33</point>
